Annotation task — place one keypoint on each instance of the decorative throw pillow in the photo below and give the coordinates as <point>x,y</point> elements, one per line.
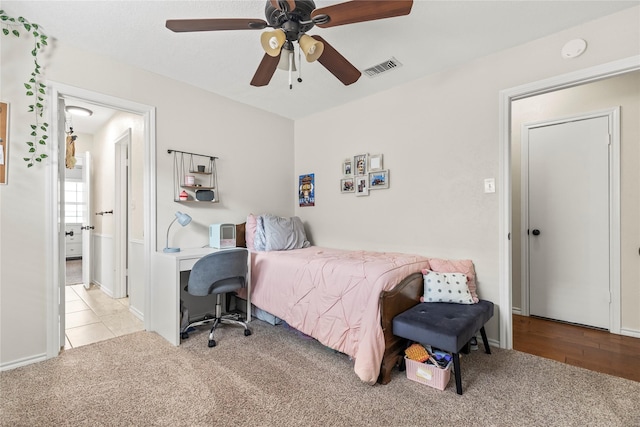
<point>464,266</point>
<point>259,238</point>
<point>446,287</point>
<point>250,231</point>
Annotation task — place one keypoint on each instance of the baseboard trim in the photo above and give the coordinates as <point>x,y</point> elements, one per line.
<point>23,362</point>
<point>136,313</point>
<point>104,289</point>
<point>630,333</point>
<point>516,310</point>
<point>492,342</point>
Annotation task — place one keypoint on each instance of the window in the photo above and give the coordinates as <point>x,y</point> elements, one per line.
<point>74,208</point>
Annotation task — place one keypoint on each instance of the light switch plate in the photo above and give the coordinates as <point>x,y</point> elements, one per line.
<point>490,185</point>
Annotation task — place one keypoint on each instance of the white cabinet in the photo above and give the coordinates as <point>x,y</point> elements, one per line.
<point>73,240</point>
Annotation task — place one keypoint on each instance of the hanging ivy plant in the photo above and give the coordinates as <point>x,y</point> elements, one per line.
<point>35,89</point>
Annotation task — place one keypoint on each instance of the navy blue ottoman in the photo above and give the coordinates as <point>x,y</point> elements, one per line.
<point>446,326</point>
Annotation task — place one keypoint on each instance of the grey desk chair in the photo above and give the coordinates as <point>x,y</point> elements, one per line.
<point>218,273</point>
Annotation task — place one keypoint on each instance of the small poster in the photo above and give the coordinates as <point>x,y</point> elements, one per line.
<point>306,190</point>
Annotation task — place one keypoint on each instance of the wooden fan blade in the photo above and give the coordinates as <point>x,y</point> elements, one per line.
<point>337,64</point>
<point>290,5</point>
<point>265,70</point>
<point>187,25</point>
<point>361,10</point>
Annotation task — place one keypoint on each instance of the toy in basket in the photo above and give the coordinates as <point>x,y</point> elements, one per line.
<point>419,369</point>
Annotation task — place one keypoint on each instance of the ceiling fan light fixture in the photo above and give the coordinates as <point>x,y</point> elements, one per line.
<point>78,111</point>
<point>272,41</point>
<point>285,57</point>
<point>290,21</point>
<point>311,47</point>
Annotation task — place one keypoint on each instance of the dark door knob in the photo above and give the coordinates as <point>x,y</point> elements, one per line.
<point>68,233</point>
<point>536,232</point>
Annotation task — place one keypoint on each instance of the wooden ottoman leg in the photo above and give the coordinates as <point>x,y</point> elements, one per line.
<point>456,367</point>
<point>485,341</point>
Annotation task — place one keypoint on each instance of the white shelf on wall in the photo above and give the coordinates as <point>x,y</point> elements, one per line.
<point>193,173</point>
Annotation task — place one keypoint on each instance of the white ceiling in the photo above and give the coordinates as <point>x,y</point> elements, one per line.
<point>82,124</point>
<point>435,36</point>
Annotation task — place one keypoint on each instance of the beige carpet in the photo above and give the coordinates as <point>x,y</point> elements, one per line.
<point>277,378</point>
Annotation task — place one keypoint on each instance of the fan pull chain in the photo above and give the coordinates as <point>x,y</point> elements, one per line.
<point>290,70</point>
<point>299,66</point>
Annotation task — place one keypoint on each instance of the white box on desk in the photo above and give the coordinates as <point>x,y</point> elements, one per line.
<point>222,236</point>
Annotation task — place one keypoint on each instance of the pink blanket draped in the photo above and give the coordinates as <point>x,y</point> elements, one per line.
<point>333,296</point>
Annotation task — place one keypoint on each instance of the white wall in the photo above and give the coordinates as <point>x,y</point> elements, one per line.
<point>188,118</point>
<point>440,140</point>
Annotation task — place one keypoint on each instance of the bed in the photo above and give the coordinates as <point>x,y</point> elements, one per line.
<point>345,299</point>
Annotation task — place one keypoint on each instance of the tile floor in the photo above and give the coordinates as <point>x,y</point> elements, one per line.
<point>92,316</point>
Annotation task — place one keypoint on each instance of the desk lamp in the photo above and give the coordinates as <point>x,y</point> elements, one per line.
<point>183,219</point>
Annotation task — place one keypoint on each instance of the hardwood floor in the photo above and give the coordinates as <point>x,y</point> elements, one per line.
<point>588,348</point>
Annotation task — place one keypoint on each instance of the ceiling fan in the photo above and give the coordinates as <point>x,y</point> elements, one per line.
<point>290,20</point>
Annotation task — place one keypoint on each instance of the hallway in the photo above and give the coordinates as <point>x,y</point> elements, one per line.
<point>93,316</point>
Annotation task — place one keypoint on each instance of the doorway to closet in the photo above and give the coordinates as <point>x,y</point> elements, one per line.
<point>584,346</point>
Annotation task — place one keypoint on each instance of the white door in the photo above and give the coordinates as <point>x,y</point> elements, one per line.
<point>121,215</point>
<point>87,228</point>
<point>62,260</point>
<point>568,220</point>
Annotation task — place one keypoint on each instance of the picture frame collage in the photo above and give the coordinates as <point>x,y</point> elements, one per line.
<point>363,173</point>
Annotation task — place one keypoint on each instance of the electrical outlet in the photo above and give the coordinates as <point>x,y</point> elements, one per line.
<point>490,185</point>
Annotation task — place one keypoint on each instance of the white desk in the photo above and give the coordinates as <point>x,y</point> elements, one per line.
<point>165,282</point>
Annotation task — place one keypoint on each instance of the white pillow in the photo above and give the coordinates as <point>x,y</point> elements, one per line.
<point>446,287</point>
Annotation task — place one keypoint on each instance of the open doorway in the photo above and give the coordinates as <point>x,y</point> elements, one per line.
<point>572,104</point>
<point>598,89</point>
<point>616,268</point>
<point>101,298</point>
<point>97,218</point>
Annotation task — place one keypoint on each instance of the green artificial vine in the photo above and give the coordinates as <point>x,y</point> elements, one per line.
<point>34,88</point>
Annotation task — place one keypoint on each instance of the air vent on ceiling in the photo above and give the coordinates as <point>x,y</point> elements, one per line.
<point>383,67</point>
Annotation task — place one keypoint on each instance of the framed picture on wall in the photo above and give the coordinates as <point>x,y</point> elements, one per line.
<point>346,185</point>
<point>360,164</point>
<point>375,162</point>
<point>347,167</point>
<point>378,180</point>
<point>362,186</point>
<point>307,190</point>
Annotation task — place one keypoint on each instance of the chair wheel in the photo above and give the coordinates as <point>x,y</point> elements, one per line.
<point>247,332</point>
<point>212,343</point>
<point>184,335</point>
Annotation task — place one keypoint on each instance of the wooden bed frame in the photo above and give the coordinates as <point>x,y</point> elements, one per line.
<point>401,298</point>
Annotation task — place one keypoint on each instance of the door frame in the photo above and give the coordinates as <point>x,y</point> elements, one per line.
<point>57,196</point>
<point>87,238</point>
<point>613,118</point>
<point>122,193</point>
<point>55,293</point>
<point>598,72</point>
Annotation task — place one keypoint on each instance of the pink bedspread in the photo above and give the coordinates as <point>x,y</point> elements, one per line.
<point>333,296</point>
